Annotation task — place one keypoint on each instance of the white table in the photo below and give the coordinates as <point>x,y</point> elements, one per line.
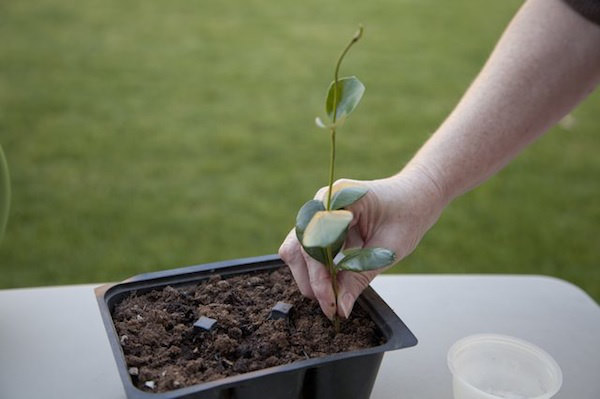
<point>66,354</point>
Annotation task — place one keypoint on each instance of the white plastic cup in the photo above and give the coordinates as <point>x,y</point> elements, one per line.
<point>490,366</point>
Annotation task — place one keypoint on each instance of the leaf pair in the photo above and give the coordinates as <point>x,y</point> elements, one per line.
<point>347,96</point>
<point>318,227</point>
<point>318,230</point>
<point>328,230</point>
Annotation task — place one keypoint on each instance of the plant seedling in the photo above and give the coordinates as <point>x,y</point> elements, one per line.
<point>322,227</point>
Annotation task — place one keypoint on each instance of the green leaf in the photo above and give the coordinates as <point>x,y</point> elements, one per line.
<point>318,254</point>
<point>347,196</point>
<point>326,228</point>
<point>4,192</point>
<point>349,92</point>
<point>362,259</point>
<point>336,247</point>
<point>305,214</point>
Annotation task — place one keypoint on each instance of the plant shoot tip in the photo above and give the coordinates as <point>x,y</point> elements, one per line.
<point>358,33</point>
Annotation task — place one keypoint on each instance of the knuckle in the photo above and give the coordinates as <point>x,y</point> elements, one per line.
<point>343,181</point>
<point>284,251</point>
<point>289,249</point>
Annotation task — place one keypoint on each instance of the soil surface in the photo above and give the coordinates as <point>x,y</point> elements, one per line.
<point>164,352</point>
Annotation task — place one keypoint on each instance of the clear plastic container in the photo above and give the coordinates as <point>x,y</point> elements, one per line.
<point>489,366</point>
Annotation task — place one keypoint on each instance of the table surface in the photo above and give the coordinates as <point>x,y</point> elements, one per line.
<point>53,343</point>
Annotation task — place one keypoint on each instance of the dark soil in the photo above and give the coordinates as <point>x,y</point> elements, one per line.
<point>164,352</point>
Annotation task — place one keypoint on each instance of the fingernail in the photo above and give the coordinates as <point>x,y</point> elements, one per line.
<point>346,304</point>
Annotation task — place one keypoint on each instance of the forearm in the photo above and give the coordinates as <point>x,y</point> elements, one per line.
<point>546,62</point>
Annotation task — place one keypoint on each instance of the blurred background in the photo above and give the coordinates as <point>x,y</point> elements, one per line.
<point>146,135</point>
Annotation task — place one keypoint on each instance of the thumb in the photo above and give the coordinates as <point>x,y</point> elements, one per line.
<point>351,284</point>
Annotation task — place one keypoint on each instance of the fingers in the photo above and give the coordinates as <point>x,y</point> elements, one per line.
<point>314,281</point>
<point>291,253</point>
<point>351,285</point>
<point>320,283</point>
<point>312,277</point>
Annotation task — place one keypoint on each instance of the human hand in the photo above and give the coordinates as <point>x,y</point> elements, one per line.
<point>394,214</point>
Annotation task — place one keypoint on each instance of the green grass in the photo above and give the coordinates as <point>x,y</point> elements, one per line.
<point>149,135</point>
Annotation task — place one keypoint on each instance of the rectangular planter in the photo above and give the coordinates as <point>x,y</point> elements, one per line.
<point>338,376</point>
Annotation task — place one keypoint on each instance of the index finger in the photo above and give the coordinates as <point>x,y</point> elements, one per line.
<point>291,253</point>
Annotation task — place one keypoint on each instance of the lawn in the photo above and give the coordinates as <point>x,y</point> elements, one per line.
<point>145,135</point>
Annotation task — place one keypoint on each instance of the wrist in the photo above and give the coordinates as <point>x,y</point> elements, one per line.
<point>425,185</point>
<point>401,208</point>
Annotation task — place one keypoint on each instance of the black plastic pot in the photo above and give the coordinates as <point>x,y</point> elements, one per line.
<point>338,376</point>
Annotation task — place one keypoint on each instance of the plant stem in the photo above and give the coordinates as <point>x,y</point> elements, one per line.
<point>331,167</point>
<point>336,79</point>
<point>334,285</point>
<point>355,38</point>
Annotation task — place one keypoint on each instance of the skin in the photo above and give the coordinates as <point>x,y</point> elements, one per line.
<point>545,63</point>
